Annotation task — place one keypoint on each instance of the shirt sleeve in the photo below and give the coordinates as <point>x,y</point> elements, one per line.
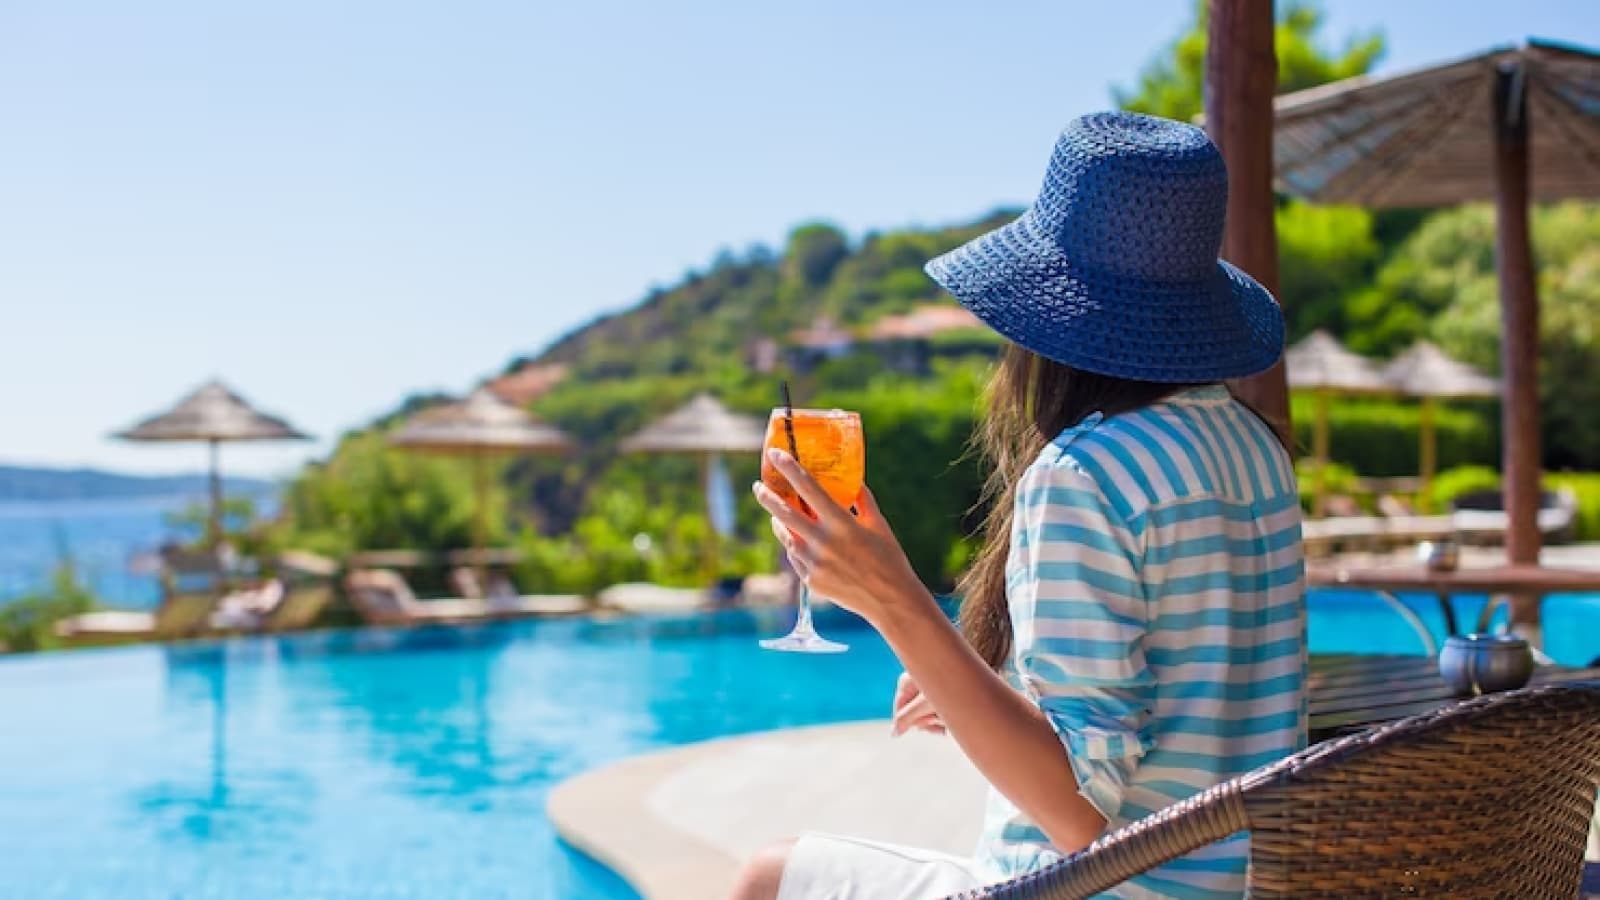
<point>1079,625</point>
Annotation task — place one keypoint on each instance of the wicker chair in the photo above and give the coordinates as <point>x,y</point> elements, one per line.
<point>1486,798</point>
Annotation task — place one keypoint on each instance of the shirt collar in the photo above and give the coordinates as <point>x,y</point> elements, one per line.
<point>1204,395</point>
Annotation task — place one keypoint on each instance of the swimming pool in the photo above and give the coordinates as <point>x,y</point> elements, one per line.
<point>378,763</point>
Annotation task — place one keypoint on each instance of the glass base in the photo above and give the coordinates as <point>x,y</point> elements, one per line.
<point>799,641</point>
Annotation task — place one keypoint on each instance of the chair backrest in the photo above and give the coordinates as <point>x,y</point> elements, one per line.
<point>192,582</point>
<point>1487,798</point>
<point>302,603</point>
<point>381,596</point>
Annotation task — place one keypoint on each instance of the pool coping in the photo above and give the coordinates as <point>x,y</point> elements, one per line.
<point>676,824</point>
<point>601,813</point>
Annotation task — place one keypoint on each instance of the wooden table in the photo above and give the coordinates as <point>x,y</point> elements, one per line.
<point>1352,693</point>
<point>1387,581</point>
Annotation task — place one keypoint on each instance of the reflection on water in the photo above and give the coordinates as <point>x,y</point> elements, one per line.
<point>202,803</point>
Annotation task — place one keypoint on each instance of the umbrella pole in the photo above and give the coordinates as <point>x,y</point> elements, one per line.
<point>480,519</point>
<point>1319,449</point>
<point>1519,343</point>
<point>710,562</point>
<point>214,521</point>
<point>1241,75</point>
<point>1430,448</point>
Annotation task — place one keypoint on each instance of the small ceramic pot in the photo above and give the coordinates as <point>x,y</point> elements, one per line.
<point>1473,664</point>
<point>1440,556</point>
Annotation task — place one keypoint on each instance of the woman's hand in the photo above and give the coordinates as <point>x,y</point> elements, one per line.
<point>853,560</point>
<point>912,709</point>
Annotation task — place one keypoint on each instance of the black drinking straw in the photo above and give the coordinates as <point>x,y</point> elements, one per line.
<point>788,428</point>
<point>788,419</point>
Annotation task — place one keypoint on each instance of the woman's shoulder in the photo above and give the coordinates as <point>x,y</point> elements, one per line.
<point>1079,468</point>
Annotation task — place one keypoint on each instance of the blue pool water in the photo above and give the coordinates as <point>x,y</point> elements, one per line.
<point>370,763</point>
<point>393,764</point>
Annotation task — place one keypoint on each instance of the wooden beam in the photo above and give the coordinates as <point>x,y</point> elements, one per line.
<point>1519,314</point>
<point>1241,78</point>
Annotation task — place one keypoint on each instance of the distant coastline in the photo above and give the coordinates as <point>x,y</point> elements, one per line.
<point>28,484</point>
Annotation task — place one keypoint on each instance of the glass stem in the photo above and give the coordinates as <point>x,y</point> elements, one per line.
<point>802,618</point>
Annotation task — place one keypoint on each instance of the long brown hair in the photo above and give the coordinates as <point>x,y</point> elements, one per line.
<point>1029,401</point>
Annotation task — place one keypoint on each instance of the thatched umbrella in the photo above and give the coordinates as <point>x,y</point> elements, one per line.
<point>213,414</point>
<point>478,427</point>
<point>1513,124</point>
<point>1319,363</point>
<point>1424,371</point>
<point>704,428</point>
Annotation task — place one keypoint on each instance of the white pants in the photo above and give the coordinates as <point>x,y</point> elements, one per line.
<point>831,867</point>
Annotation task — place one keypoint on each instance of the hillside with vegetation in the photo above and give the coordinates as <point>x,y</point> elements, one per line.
<point>1378,280</point>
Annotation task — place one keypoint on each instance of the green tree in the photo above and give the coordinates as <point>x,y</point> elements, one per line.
<point>1172,84</point>
<point>1325,254</point>
<point>1449,265</point>
<point>370,496</point>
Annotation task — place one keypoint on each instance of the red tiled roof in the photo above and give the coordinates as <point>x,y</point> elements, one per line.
<point>924,322</point>
<point>528,383</point>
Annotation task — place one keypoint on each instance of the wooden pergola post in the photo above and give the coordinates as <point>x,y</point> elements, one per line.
<point>1519,344</point>
<point>1241,78</point>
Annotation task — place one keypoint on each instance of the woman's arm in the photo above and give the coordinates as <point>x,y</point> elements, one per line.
<point>1001,731</point>
<point>857,562</point>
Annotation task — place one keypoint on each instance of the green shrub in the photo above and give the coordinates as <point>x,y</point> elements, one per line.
<point>1452,483</point>
<point>1381,437</point>
<point>28,622</point>
<point>1586,485</point>
<point>1339,479</point>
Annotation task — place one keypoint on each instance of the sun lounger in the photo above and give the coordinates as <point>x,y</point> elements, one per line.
<point>504,602</point>
<point>192,584</point>
<point>291,602</point>
<point>1480,518</point>
<point>642,597</point>
<point>382,597</point>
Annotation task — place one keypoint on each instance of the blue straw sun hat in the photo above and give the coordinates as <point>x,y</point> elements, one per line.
<point>1114,268</point>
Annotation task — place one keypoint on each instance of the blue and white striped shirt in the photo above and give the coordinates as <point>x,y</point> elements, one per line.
<point>1157,597</point>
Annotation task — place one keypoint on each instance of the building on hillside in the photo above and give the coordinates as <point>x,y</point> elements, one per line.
<point>810,347</point>
<point>908,343</point>
<point>528,382</point>
<point>762,356</point>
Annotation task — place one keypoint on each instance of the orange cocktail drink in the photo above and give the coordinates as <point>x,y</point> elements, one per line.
<point>828,444</point>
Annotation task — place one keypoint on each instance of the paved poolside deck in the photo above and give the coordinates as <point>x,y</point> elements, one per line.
<point>676,824</point>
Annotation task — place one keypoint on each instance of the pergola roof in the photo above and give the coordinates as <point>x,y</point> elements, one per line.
<point>1426,137</point>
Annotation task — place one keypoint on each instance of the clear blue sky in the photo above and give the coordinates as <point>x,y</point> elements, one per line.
<point>330,205</point>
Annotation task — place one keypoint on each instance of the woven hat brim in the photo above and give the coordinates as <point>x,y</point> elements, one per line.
<point>1019,282</point>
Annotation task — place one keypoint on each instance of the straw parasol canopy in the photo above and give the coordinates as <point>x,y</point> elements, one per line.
<point>1515,124</point>
<point>703,425</point>
<point>705,428</point>
<point>1426,372</point>
<point>1319,363</point>
<point>479,426</point>
<point>212,414</point>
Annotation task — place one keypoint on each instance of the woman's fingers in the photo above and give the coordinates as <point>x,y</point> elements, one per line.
<point>806,486</point>
<point>867,506</point>
<point>904,691</point>
<point>916,713</point>
<point>794,548</point>
<point>782,512</point>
